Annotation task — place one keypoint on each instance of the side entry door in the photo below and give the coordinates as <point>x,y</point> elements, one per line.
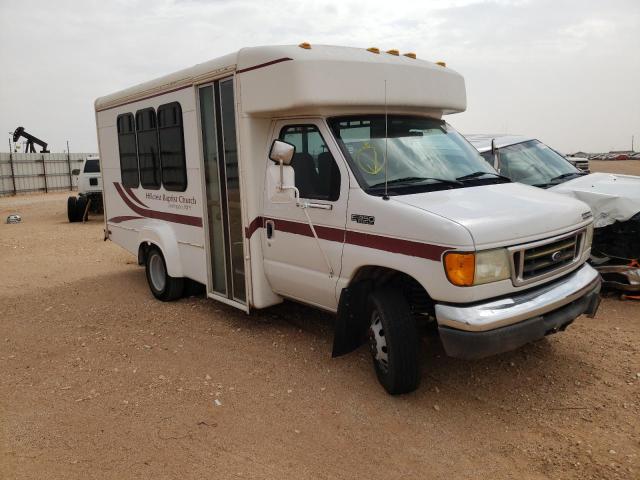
<point>297,264</point>
<point>222,186</point>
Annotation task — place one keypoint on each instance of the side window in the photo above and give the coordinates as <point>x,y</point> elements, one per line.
<point>127,147</point>
<point>148,154</point>
<point>172,156</point>
<point>316,172</point>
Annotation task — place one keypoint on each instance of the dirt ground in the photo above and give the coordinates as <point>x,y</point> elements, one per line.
<point>628,167</point>
<point>99,380</point>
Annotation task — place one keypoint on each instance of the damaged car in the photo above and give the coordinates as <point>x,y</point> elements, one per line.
<point>614,200</point>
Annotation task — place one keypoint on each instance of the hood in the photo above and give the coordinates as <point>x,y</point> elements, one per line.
<point>503,214</point>
<point>611,197</point>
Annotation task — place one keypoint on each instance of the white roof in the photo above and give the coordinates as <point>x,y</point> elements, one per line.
<point>482,141</point>
<point>290,78</point>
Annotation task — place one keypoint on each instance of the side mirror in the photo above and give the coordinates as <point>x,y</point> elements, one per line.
<point>75,171</point>
<point>281,177</point>
<point>282,152</point>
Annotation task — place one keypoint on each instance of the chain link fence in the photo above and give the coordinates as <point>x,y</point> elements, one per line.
<point>38,172</point>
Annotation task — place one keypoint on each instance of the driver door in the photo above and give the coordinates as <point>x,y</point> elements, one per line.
<point>294,263</point>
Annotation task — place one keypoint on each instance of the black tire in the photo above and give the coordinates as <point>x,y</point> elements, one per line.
<point>156,268</point>
<point>81,206</point>
<point>391,317</point>
<point>71,209</point>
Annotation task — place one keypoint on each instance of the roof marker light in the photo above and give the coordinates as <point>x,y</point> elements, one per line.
<point>410,55</point>
<point>373,50</point>
<point>393,51</point>
<point>305,45</point>
<point>442,64</point>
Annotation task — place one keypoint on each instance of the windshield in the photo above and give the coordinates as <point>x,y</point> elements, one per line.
<point>536,164</point>
<point>92,166</point>
<point>420,151</point>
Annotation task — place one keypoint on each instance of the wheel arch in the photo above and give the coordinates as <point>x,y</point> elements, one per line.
<point>379,276</point>
<point>352,322</point>
<point>162,237</point>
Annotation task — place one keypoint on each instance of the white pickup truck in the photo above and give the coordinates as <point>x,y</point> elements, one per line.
<point>327,175</point>
<point>89,197</point>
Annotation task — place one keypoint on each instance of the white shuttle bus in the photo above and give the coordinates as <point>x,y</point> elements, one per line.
<point>326,175</point>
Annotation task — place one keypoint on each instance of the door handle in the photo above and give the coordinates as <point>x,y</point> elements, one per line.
<point>270,226</point>
<point>321,206</point>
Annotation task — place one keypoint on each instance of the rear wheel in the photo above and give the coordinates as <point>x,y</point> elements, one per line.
<point>393,341</point>
<point>81,206</point>
<point>71,209</point>
<point>163,286</point>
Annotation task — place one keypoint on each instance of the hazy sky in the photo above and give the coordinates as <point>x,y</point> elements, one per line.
<point>566,72</point>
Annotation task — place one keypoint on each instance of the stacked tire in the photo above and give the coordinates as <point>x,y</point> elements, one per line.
<point>76,208</point>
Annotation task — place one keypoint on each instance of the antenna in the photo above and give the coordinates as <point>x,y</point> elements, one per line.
<point>386,139</point>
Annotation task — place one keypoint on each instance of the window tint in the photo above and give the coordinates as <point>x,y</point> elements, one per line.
<point>316,172</point>
<point>148,156</point>
<point>172,157</point>
<point>127,147</point>
<point>92,166</point>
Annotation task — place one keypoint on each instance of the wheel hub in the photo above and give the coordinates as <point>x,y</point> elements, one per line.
<point>157,272</point>
<point>378,341</point>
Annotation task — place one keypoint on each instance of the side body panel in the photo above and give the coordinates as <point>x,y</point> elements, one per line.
<point>172,220</point>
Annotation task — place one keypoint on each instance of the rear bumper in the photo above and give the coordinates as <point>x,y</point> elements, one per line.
<point>480,330</point>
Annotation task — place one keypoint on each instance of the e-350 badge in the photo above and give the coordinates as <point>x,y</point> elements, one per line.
<point>364,219</point>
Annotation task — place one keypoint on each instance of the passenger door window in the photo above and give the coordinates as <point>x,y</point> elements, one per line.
<point>317,175</point>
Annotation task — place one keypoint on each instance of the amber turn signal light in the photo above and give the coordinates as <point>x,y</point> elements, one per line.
<point>460,268</point>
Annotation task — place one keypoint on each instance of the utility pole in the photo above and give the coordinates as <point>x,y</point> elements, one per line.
<point>69,167</point>
<point>632,150</point>
<point>13,173</point>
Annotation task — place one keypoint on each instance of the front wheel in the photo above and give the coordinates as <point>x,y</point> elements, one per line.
<point>163,286</point>
<point>393,341</point>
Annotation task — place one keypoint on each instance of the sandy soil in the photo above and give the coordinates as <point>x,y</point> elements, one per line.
<point>99,380</point>
<point>628,167</point>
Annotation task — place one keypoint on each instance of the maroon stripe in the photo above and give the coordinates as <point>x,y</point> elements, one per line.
<point>123,218</point>
<point>133,195</point>
<point>266,64</point>
<point>143,98</point>
<point>396,245</point>
<point>169,217</point>
<point>255,224</point>
<point>298,228</point>
<point>378,242</point>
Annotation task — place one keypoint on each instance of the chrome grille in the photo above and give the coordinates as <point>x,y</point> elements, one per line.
<point>538,260</point>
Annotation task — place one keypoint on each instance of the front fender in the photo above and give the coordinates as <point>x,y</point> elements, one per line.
<point>162,236</point>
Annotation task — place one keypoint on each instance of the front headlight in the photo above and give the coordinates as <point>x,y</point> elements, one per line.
<point>492,265</point>
<point>588,240</point>
<point>467,269</point>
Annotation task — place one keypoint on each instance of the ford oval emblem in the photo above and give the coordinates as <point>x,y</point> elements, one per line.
<point>555,256</point>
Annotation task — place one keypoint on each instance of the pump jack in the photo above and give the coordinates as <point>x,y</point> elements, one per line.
<point>20,132</point>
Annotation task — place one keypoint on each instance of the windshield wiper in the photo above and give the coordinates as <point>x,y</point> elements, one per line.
<point>473,175</point>
<point>565,175</point>
<point>557,180</point>
<point>415,180</point>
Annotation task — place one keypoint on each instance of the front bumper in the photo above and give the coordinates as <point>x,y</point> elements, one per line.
<point>620,277</point>
<point>483,329</point>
